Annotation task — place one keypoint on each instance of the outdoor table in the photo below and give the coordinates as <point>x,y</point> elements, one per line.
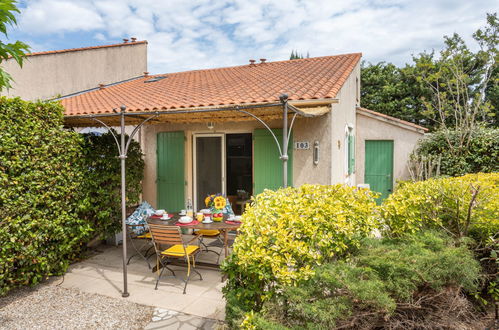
<point>222,226</point>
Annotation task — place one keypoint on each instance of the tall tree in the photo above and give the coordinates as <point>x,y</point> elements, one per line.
<point>16,50</point>
<point>458,81</point>
<point>393,91</point>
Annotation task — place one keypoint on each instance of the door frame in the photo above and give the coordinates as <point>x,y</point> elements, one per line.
<point>194,163</point>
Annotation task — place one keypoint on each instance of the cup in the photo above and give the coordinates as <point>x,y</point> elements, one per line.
<point>182,212</point>
<point>207,219</point>
<point>199,216</point>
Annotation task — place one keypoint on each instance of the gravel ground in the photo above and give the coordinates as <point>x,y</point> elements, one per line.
<point>48,306</point>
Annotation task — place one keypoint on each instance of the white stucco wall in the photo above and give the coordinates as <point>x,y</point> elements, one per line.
<point>46,76</point>
<point>404,141</point>
<point>343,114</point>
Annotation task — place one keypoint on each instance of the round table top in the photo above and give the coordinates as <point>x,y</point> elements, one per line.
<point>222,225</point>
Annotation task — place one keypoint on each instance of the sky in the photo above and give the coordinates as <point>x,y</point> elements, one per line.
<point>188,35</point>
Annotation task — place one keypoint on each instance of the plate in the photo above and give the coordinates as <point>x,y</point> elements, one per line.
<point>185,219</point>
<point>165,217</point>
<point>204,221</point>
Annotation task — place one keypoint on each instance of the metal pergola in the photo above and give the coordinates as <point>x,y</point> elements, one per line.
<point>124,144</point>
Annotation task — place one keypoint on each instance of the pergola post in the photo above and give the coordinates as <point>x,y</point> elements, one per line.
<point>284,156</point>
<point>123,152</point>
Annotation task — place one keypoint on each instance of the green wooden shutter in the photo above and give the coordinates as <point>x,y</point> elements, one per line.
<point>267,166</point>
<point>170,171</point>
<point>379,166</point>
<point>351,154</point>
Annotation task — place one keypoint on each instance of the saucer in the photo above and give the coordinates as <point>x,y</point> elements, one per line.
<point>204,221</point>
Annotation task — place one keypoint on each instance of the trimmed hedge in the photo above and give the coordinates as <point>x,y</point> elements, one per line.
<point>462,206</point>
<point>287,233</point>
<point>101,207</point>
<point>40,191</point>
<point>58,189</point>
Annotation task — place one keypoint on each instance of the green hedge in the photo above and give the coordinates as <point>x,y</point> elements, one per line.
<point>101,207</point>
<point>480,155</point>
<point>286,234</point>
<point>389,283</point>
<point>58,189</point>
<point>40,192</point>
<point>462,206</point>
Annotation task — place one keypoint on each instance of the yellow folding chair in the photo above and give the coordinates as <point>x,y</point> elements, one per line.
<point>164,235</point>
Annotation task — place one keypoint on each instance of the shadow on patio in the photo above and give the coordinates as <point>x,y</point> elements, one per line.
<point>102,274</point>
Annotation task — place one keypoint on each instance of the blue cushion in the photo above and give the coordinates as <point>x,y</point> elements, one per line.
<point>139,216</point>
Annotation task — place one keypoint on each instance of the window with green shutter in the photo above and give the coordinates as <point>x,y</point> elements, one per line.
<point>267,165</point>
<point>351,153</point>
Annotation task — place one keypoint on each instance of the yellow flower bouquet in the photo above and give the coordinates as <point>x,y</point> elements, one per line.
<point>216,203</point>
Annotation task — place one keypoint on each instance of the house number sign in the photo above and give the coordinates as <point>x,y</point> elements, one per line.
<point>304,145</point>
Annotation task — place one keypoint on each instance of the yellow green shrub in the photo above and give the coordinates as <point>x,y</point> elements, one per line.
<point>286,233</point>
<point>461,206</point>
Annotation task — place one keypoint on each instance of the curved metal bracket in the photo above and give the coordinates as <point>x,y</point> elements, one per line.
<point>110,130</point>
<point>266,126</point>
<point>135,130</point>
<point>291,126</point>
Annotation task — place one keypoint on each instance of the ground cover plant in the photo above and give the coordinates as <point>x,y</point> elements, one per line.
<point>414,281</point>
<point>40,189</point>
<point>286,234</point>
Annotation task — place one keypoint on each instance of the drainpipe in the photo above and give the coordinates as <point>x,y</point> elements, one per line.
<point>284,157</point>
<point>123,199</point>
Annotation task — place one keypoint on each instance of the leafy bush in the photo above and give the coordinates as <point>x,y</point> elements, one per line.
<point>40,189</point>
<point>410,282</point>
<point>101,206</point>
<point>286,233</point>
<point>462,206</point>
<point>480,155</point>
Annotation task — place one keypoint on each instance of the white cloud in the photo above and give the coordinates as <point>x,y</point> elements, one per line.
<point>186,35</point>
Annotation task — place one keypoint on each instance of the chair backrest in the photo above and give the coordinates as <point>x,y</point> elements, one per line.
<point>164,234</point>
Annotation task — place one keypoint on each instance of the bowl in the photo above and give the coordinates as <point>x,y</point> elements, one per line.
<point>159,212</point>
<point>185,219</point>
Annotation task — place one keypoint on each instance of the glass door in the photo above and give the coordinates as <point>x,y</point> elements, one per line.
<point>209,167</point>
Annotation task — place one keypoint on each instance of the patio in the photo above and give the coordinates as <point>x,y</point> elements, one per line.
<point>103,274</point>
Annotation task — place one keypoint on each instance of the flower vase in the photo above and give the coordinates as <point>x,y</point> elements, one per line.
<point>217,215</point>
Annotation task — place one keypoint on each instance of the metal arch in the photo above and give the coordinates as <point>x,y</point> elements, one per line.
<point>266,126</point>
<point>136,129</point>
<point>110,130</point>
<point>291,125</point>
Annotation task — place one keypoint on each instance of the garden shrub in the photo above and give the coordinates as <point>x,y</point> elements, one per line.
<point>40,192</point>
<point>287,233</point>
<point>480,155</point>
<point>101,206</point>
<point>461,206</point>
<point>409,282</point>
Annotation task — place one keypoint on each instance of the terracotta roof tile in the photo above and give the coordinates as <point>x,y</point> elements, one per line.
<point>311,78</point>
<point>401,121</point>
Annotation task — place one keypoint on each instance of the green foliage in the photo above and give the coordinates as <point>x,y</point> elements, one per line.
<point>394,91</point>
<point>40,188</point>
<point>460,206</point>
<point>286,233</point>
<point>382,278</point>
<point>481,154</point>
<point>296,56</point>
<point>101,206</point>
<point>15,50</point>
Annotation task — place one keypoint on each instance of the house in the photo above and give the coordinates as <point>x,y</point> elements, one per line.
<point>50,74</point>
<point>215,130</point>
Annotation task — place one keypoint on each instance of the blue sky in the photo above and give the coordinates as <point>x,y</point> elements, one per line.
<point>186,35</point>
